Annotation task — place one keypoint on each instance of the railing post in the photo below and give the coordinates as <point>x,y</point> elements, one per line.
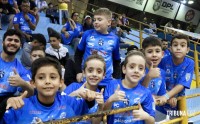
<point>183,109</point>
<point>140,28</point>
<point>196,60</point>
<point>105,119</point>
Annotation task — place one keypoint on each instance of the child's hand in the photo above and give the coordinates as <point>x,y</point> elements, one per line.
<point>140,114</point>
<point>100,100</point>
<point>172,102</point>
<point>161,100</point>
<point>67,35</point>
<point>153,72</point>
<point>90,95</point>
<point>16,102</point>
<point>79,77</point>
<point>118,95</point>
<point>15,80</point>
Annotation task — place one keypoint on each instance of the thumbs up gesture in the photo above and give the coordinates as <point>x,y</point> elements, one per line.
<point>99,99</point>
<point>154,72</point>
<point>118,95</point>
<point>16,102</point>
<point>140,114</point>
<point>15,80</point>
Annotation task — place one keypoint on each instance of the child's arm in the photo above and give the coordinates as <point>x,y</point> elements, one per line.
<point>100,100</point>
<point>142,115</point>
<point>16,80</point>
<point>117,96</point>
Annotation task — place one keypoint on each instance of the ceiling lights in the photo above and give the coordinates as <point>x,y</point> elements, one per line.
<point>187,1</point>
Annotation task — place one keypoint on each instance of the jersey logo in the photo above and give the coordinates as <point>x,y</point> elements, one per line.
<point>92,38</point>
<point>2,73</point>
<point>187,76</point>
<point>101,42</point>
<point>111,42</point>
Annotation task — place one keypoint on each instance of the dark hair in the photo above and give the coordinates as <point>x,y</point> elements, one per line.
<point>50,4</point>
<point>134,53</point>
<point>95,57</point>
<point>45,61</point>
<point>151,41</point>
<point>164,40</point>
<point>181,36</point>
<point>25,1</point>
<point>35,48</point>
<point>104,11</point>
<point>73,14</point>
<point>40,38</point>
<point>53,33</point>
<point>12,32</point>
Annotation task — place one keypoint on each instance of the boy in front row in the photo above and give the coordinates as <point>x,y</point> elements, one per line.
<point>48,104</point>
<point>179,71</point>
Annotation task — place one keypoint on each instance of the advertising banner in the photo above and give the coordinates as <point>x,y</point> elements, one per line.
<point>187,14</point>
<point>135,4</point>
<point>165,8</point>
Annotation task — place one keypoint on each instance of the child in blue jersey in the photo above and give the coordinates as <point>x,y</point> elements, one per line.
<point>48,104</point>
<point>155,77</point>
<point>94,71</point>
<point>165,47</point>
<point>99,41</point>
<point>179,71</point>
<point>128,92</point>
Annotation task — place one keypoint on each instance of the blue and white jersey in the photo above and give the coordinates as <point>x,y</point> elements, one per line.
<point>11,2</point>
<point>178,74</point>
<point>63,107</point>
<point>157,85</point>
<point>23,25</point>
<point>138,94</point>
<point>167,53</point>
<point>79,28</point>
<point>75,86</point>
<point>106,45</point>
<point>6,70</point>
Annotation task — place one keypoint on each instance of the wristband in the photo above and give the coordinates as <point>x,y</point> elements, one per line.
<point>166,96</point>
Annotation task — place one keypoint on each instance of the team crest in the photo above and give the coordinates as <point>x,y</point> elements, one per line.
<point>2,73</point>
<point>100,42</point>
<point>187,76</point>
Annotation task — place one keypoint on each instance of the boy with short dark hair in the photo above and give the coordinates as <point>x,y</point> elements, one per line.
<point>100,41</point>
<point>179,71</point>
<point>48,104</point>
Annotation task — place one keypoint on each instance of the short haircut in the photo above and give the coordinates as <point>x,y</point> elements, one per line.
<point>56,35</point>
<point>12,32</point>
<point>104,11</point>
<point>151,41</point>
<point>73,14</point>
<point>181,36</point>
<point>40,38</point>
<point>95,57</point>
<point>25,1</point>
<point>45,61</point>
<point>164,40</point>
<point>36,48</point>
<point>133,53</point>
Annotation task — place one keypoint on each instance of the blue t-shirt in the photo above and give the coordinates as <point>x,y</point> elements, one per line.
<point>6,70</point>
<point>157,85</point>
<point>11,2</point>
<point>134,96</point>
<point>167,53</point>
<point>63,107</point>
<point>75,86</point>
<point>23,25</point>
<point>178,74</point>
<point>106,45</point>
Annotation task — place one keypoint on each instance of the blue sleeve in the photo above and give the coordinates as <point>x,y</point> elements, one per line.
<point>33,20</point>
<point>11,116</point>
<point>82,43</point>
<point>110,89</point>
<point>23,73</point>
<point>162,89</point>
<point>72,87</point>
<point>16,19</point>
<point>79,105</point>
<point>187,76</point>
<point>116,55</point>
<point>148,105</point>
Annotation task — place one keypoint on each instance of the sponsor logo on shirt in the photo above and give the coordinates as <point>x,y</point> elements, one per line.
<point>111,42</point>
<point>187,76</point>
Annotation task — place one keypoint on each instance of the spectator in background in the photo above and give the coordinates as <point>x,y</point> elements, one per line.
<point>190,27</point>
<point>178,26</point>
<point>36,40</point>
<point>51,12</point>
<point>165,47</point>
<point>119,32</point>
<point>13,3</point>
<point>63,10</point>
<point>87,25</point>
<point>6,13</point>
<point>70,29</point>
<point>24,21</point>
<point>167,30</point>
<point>152,26</point>
<point>42,5</point>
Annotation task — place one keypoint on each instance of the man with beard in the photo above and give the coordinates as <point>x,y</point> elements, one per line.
<point>13,75</point>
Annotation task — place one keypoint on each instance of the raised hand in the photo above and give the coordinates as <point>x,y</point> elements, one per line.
<point>140,114</point>
<point>118,95</point>
<point>16,102</point>
<point>15,80</point>
<point>153,72</point>
<point>99,99</point>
